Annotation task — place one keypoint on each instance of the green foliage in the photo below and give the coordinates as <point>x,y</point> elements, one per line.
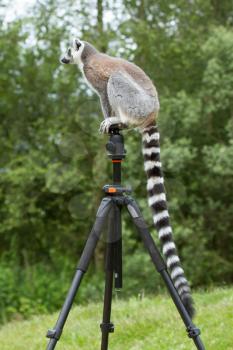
<point>40,288</point>
<point>53,163</point>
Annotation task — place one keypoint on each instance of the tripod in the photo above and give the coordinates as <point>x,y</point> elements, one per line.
<point>110,209</point>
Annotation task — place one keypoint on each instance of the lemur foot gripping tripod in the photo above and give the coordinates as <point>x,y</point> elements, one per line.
<point>110,211</point>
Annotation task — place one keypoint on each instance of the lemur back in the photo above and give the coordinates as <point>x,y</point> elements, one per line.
<point>128,96</point>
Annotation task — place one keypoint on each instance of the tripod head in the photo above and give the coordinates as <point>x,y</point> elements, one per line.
<point>115,145</point>
<point>116,150</point>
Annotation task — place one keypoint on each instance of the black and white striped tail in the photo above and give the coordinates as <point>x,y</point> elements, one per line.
<point>158,203</point>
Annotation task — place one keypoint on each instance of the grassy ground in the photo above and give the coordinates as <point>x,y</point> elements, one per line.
<point>148,324</point>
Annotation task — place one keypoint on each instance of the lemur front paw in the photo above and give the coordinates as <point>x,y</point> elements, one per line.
<point>105,125</point>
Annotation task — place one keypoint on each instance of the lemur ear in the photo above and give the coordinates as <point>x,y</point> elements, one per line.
<point>77,44</point>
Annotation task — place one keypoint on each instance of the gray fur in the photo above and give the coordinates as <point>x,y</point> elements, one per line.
<point>125,91</point>
<point>126,94</point>
<point>105,105</point>
<point>88,51</point>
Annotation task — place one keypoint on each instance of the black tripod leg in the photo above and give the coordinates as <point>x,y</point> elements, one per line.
<point>106,326</point>
<point>160,265</point>
<point>83,264</point>
<point>117,238</point>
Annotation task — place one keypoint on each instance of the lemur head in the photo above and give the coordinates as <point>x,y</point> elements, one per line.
<point>78,52</point>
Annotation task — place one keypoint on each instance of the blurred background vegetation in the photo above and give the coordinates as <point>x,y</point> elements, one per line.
<point>52,158</point>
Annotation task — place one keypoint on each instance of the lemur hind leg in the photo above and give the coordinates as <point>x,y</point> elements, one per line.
<point>131,102</point>
<point>126,102</point>
<point>106,123</point>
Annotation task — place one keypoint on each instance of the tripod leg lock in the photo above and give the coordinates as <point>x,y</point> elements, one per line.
<point>107,327</point>
<point>193,332</point>
<point>54,333</point>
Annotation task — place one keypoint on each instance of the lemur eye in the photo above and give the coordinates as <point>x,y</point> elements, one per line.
<point>69,52</point>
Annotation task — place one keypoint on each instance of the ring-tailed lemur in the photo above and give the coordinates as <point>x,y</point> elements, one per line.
<point>128,96</point>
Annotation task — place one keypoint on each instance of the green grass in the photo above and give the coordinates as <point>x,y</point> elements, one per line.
<point>148,324</point>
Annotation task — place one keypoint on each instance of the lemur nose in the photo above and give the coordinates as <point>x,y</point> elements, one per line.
<point>65,60</point>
